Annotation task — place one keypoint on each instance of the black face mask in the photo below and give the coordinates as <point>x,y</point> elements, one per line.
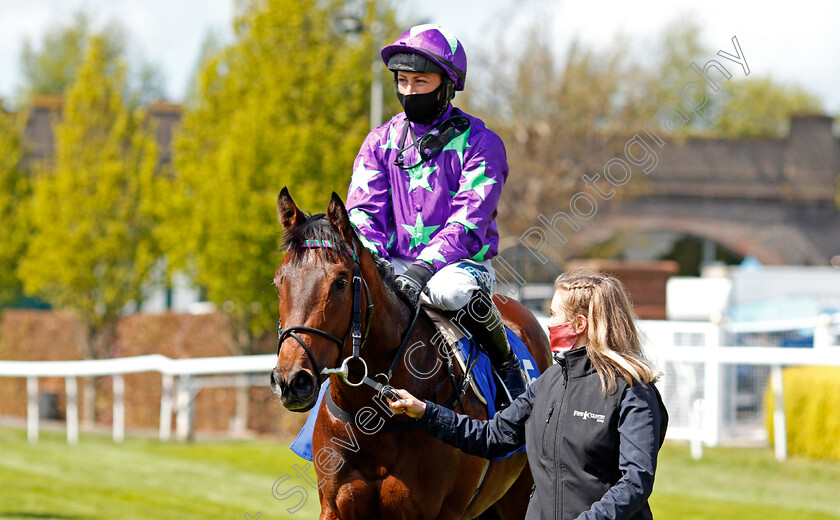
<point>422,108</point>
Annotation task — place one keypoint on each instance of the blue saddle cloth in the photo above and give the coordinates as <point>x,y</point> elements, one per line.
<point>482,374</point>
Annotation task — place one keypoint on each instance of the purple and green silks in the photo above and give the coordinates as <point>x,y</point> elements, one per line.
<point>438,212</point>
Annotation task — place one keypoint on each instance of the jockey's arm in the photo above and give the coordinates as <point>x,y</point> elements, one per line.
<point>369,200</point>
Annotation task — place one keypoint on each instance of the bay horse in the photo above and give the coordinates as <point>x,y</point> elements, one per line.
<point>335,304</point>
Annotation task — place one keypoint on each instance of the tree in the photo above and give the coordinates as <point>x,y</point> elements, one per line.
<point>760,107</point>
<point>212,44</point>
<point>751,107</point>
<point>558,119</point>
<point>565,116</point>
<point>91,248</point>
<point>53,68</point>
<point>284,105</point>
<point>14,187</point>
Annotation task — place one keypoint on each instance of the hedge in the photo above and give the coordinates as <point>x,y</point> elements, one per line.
<point>812,411</point>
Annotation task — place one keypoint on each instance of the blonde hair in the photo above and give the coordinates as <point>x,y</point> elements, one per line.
<point>612,339</point>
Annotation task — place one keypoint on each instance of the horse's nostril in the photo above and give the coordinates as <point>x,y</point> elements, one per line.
<point>303,383</point>
<point>272,379</point>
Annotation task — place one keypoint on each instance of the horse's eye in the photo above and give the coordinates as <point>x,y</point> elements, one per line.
<point>341,283</point>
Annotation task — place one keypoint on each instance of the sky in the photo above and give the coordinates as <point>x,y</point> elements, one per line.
<point>794,43</point>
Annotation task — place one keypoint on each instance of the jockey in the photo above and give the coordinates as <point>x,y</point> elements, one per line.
<point>425,188</point>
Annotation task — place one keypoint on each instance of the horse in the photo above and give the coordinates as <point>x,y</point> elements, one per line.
<point>335,303</point>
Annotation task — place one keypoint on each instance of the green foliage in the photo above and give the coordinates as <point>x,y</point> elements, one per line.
<point>760,107</point>
<point>284,105</point>
<point>14,187</point>
<point>92,214</point>
<point>52,68</point>
<point>743,107</point>
<point>812,411</point>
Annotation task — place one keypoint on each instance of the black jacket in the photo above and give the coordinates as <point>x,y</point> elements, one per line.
<point>592,457</point>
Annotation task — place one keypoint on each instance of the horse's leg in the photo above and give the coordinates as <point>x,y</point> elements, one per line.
<point>500,476</point>
<point>514,503</point>
<point>490,514</point>
<point>327,514</point>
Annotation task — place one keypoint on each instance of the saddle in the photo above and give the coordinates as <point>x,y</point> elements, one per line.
<point>482,377</point>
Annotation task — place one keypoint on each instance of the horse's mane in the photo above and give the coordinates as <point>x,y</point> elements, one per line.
<point>318,227</point>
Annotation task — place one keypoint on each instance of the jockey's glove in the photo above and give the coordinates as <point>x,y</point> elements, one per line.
<point>383,265</point>
<point>412,282</point>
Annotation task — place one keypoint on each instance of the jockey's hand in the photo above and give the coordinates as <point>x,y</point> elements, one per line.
<point>408,404</point>
<point>412,282</point>
<point>383,265</point>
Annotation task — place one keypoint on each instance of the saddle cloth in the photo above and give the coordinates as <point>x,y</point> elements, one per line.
<point>482,378</point>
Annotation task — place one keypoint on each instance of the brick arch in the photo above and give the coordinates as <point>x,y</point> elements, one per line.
<point>741,238</point>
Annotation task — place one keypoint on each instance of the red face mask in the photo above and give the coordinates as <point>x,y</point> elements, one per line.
<point>562,337</point>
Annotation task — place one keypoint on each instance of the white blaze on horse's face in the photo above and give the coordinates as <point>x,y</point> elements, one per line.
<point>312,292</point>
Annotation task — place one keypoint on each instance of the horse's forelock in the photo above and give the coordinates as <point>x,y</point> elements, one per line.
<point>318,227</point>
<point>315,227</point>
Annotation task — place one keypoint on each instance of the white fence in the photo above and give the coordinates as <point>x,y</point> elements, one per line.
<point>713,392</point>
<point>716,375</point>
<point>183,377</point>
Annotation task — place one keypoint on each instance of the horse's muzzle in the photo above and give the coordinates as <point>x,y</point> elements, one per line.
<point>297,390</point>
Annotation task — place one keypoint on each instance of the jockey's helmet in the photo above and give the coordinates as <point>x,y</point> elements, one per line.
<point>428,48</point>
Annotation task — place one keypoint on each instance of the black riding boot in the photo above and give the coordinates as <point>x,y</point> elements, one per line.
<point>483,321</point>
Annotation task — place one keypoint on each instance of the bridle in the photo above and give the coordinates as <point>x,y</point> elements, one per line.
<point>354,330</point>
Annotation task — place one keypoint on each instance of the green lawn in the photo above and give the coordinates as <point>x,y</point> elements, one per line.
<point>744,484</point>
<point>146,479</point>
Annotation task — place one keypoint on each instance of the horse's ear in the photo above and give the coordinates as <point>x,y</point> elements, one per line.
<point>337,214</point>
<point>287,210</point>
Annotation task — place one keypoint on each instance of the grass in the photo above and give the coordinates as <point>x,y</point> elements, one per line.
<point>744,484</point>
<point>147,479</point>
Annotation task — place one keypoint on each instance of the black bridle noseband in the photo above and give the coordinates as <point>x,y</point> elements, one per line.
<point>342,370</point>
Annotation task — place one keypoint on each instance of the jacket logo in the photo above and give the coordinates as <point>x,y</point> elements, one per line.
<point>588,415</point>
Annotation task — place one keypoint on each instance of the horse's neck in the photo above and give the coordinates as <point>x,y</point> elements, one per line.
<point>390,317</point>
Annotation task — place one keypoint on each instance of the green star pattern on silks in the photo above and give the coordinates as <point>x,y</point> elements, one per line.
<point>461,218</point>
<point>432,253</point>
<point>459,144</point>
<point>475,180</point>
<point>420,234</point>
<point>392,238</point>
<point>419,177</point>
<point>479,257</point>
<point>393,137</point>
<point>359,217</point>
<point>361,178</point>
<point>370,246</point>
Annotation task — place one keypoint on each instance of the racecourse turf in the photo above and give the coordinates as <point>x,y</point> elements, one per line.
<point>147,479</point>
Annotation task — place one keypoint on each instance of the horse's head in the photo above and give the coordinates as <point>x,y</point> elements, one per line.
<point>315,289</point>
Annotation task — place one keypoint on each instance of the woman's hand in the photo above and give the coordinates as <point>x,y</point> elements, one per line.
<point>408,404</point>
